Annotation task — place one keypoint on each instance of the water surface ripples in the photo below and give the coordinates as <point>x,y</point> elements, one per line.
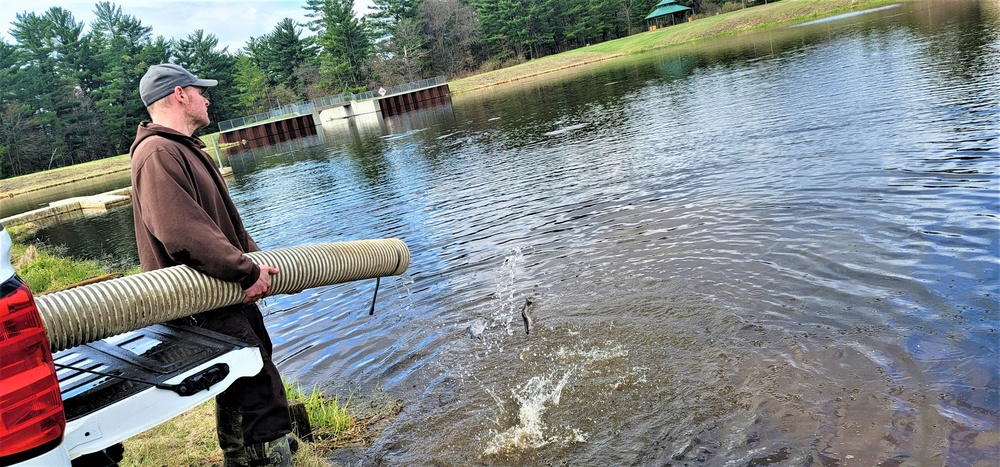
<point>774,256</point>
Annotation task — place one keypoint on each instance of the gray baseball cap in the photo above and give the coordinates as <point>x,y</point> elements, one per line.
<point>160,80</point>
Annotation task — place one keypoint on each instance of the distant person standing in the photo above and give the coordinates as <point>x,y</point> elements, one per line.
<point>184,215</point>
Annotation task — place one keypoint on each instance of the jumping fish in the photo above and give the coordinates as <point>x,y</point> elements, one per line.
<point>525,310</point>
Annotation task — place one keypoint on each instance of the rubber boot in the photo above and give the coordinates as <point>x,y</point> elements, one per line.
<point>274,453</point>
<point>229,427</point>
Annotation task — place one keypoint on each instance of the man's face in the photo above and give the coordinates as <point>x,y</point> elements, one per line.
<point>196,109</point>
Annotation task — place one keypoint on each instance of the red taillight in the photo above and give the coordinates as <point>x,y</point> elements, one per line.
<point>31,410</point>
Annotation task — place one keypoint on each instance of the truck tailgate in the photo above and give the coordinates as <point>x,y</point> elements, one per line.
<point>121,400</point>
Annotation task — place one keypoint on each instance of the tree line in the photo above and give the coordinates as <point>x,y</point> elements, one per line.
<point>69,93</point>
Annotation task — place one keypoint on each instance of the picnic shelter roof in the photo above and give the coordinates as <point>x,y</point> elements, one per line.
<point>667,7</point>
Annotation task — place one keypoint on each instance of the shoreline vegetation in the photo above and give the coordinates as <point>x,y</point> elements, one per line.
<point>771,15</point>
<point>360,417</point>
<point>776,14</point>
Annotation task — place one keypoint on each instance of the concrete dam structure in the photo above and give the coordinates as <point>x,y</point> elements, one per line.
<point>302,120</point>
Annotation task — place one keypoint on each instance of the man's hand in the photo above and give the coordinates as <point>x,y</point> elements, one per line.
<point>260,288</point>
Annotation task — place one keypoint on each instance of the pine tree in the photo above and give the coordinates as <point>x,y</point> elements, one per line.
<point>252,85</point>
<point>389,13</point>
<point>280,53</point>
<point>198,53</point>
<point>344,41</point>
<point>117,65</point>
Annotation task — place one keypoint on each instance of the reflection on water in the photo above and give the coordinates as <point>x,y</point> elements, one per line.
<point>775,250</point>
<point>108,237</point>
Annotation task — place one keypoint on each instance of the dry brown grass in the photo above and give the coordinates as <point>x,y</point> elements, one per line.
<point>189,439</point>
<point>185,440</point>
<point>22,259</point>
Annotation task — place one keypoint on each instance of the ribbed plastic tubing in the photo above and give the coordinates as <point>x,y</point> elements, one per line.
<point>92,312</point>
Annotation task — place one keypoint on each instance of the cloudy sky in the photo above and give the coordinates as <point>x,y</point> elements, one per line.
<point>233,22</point>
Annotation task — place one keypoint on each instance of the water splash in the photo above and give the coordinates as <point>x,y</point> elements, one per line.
<point>541,393</point>
<point>529,433</point>
<point>502,309</point>
<point>504,296</point>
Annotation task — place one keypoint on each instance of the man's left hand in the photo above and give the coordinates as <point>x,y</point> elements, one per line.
<point>260,288</point>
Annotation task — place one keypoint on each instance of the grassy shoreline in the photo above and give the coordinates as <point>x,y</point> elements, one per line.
<point>24,184</point>
<point>777,14</point>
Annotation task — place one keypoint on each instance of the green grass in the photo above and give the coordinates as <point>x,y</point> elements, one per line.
<point>326,415</point>
<point>45,269</point>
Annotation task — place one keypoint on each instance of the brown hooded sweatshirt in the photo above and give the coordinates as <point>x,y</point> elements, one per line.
<point>183,212</point>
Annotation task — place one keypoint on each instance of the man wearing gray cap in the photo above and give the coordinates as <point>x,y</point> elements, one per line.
<point>184,215</point>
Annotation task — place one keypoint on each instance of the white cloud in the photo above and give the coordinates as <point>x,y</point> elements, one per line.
<point>232,22</point>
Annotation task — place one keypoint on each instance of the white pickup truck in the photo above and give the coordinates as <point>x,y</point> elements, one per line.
<point>77,406</point>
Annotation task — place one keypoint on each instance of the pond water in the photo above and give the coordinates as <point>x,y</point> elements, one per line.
<point>779,249</point>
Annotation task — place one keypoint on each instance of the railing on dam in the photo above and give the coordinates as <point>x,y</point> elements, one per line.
<point>287,111</point>
<point>426,83</point>
<point>303,108</point>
